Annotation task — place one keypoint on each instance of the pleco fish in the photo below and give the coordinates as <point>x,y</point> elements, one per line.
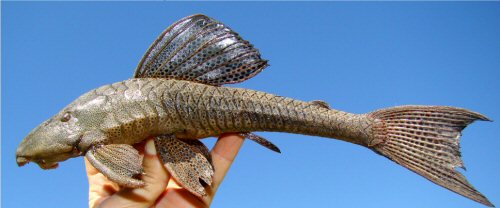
<point>176,96</point>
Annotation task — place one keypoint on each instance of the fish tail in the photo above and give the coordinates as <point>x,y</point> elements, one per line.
<point>425,139</point>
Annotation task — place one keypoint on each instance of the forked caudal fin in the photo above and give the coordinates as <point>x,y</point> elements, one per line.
<point>425,139</point>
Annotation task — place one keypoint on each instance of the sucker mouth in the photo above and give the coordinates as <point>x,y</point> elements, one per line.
<point>47,166</point>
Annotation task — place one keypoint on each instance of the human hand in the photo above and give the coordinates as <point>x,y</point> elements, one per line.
<point>161,190</point>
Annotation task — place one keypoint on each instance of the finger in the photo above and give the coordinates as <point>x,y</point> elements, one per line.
<point>155,179</point>
<point>100,187</point>
<point>176,196</point>
<point>223,155</point>
<point>89,168</point>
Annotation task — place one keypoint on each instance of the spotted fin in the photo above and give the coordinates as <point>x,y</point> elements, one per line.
<point>120,163</point>
<point>262,141</point>
<point>200,49</point>
<point>425,139</point>
<point>199,147</point>
<point>188,162</point>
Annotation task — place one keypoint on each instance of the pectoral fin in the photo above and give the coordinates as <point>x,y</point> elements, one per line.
<point>188,161</point>
<point>120,163</point>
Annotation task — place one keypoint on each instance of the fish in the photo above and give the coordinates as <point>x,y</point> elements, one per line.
<point>177,97</point>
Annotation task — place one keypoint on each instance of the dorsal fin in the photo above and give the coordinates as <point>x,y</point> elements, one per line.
<point>200,49</point>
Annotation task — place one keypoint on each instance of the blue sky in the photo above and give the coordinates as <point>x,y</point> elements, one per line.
<point>356,56</point>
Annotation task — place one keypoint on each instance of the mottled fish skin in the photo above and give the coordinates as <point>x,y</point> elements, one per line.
<point>149,107</point>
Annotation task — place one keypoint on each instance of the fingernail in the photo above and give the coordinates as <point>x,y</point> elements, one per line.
<point>150,147</point>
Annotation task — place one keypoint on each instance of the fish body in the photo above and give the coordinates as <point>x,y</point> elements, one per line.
<point>176,97</point>
<point>128,112</point>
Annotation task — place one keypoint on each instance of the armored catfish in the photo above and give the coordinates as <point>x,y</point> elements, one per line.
<point>176,97</point>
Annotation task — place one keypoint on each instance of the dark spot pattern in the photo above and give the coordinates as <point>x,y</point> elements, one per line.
<point>188,162</point>
<point>425,139</point>
<point>201,49</point>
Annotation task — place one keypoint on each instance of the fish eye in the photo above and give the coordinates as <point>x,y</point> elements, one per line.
<point>66,117</point>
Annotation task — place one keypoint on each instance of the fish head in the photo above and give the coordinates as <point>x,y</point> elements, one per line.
<point>53,141</point>
<point>58,138</point>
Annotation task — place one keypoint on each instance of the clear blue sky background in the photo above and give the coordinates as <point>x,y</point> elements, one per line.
<point>356,56</point>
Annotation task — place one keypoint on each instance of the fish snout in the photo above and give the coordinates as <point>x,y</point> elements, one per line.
<point>21,157</point>
<point>21,161</point>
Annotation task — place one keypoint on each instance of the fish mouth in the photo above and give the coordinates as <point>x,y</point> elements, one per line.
<point>21,161</point>
<point>47,166</point>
